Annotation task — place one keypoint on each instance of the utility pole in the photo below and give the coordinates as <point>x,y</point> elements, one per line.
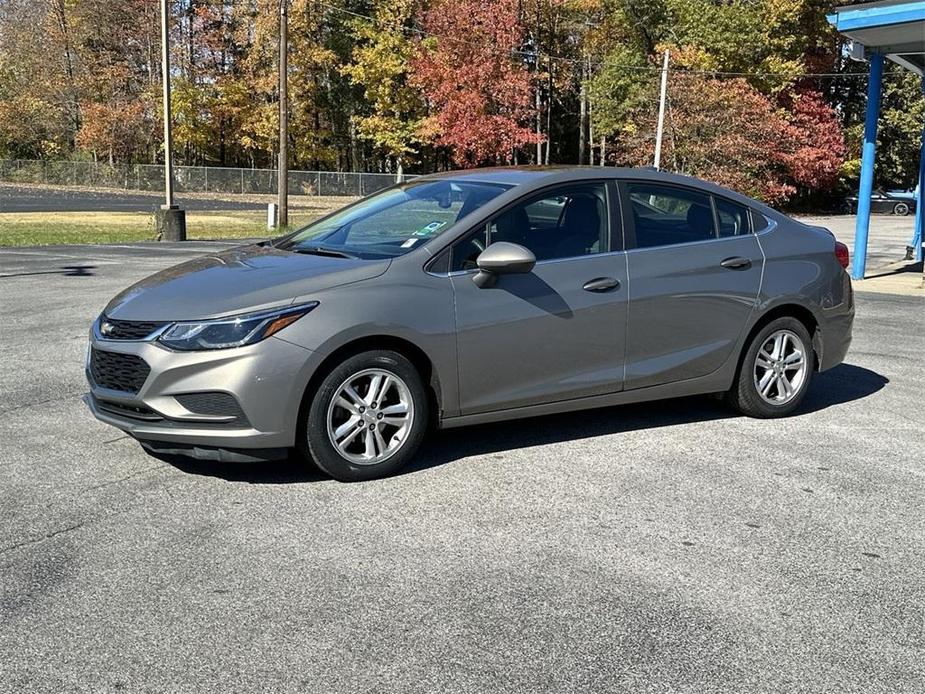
<point>283,166</point>
<point>170,220</point>
<point>539,120</point>
<point>661,113</point>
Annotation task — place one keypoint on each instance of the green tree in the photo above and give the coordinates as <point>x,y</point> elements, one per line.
<point>901,121</point>
<point>381,68</point>
<point>617,90</point>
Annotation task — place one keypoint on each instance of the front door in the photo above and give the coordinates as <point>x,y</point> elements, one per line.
<point>694,275</point>
<point>558,332</point>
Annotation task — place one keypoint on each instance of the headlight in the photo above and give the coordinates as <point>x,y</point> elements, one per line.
<point>234,331</point>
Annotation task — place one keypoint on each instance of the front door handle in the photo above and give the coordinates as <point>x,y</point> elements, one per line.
<point>601,284</point>
<point>736,263</point>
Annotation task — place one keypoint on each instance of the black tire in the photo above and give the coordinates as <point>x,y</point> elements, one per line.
<point>901,209</point>
<point>744,395</point>
<point>314,441</point>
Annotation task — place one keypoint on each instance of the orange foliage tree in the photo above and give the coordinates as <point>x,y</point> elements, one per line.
<point>471,75</point>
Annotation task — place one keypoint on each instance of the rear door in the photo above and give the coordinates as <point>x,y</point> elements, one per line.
<point>694,271</point>
<point>553,334</point>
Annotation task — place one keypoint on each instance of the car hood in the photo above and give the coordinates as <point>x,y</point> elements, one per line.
<point>234,281</point>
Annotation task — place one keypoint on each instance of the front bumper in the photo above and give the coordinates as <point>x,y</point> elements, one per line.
<point>266,381</point>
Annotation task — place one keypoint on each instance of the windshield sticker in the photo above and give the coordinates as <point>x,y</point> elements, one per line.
<point>409,243</point>
<point>429,229</point>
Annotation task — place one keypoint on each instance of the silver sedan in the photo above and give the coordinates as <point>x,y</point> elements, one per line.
<point>471,297</point>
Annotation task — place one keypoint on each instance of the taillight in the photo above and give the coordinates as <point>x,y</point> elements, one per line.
<point>841,254</point>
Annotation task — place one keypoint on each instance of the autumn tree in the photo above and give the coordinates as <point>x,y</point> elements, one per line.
<point>380,66</point>
<point>722,130</point>
<point>424,84</point>
<point>39,111</point>
<point>118,98</point>
<point>818,140</point>
<point>470,73</point>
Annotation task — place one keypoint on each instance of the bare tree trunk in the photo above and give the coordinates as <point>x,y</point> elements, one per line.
<point>73,104</point>
<point>590,133</point>
<point>583,119</point>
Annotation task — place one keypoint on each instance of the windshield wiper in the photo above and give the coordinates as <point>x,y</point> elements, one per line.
<point>319,250</point>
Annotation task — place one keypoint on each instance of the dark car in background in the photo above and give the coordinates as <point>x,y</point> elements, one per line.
<point>469,297</point>
<point>898,202</point>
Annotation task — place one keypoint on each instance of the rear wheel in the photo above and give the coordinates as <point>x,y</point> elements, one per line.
<point>775,371</point>
<point>901,209</point>
<point>367,418</point>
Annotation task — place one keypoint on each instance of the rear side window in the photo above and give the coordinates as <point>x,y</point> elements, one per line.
<point>665,215</point>
<point>733,218</point>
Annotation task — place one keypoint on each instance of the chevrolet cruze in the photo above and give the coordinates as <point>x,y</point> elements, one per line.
<point>470,297</point>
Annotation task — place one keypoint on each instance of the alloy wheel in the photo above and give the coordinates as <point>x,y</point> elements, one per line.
<point>370,416</point>
<point>780,367</point>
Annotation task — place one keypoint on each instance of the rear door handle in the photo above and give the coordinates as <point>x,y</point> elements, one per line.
<point>736,263</point>
<point>601,284</point>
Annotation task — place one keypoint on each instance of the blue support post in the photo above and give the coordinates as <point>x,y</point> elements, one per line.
<point>920,198</point>
<point>868,155</point>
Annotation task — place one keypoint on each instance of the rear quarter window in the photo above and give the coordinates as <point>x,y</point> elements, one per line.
<point>759,222</point>
<point>733,218</point>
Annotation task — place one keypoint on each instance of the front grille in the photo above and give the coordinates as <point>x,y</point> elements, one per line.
<point>123,372</point>
<point>113,329</point>
<point>213,404</point>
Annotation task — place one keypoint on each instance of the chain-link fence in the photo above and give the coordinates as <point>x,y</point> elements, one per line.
<point>191,179</point>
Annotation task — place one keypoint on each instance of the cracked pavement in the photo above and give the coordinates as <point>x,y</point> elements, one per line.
<point>648,548</point>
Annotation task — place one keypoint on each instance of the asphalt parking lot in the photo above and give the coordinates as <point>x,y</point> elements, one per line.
<point>649,548</point>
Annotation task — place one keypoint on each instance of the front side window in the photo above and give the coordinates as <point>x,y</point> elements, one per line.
<point>665,215</point>
<point>567,222</point>
<point>394,221</point>
<point>733,218</point>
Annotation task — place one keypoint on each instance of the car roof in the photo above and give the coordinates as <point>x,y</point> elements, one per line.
<point>527,178</point>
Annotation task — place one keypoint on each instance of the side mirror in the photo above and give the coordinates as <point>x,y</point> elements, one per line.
<point>502,258</point>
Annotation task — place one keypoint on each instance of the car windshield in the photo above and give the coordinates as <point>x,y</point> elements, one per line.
<point>394,221</point>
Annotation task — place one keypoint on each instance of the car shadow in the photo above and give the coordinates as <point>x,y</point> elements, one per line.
<point>291,470</point>
<point>843,384</point>
<point>63,270</point>
<point>535,291</point>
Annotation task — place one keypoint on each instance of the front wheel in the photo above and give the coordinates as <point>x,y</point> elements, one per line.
<point>368,417</point>
<point>775,371</point>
